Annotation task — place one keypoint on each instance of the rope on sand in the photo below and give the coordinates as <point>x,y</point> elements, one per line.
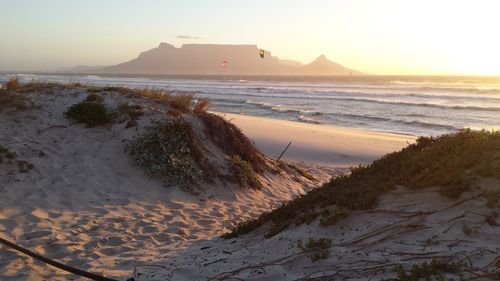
<point>59,265</point>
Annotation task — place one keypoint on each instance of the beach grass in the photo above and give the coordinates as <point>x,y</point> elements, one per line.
<point>232,141</point>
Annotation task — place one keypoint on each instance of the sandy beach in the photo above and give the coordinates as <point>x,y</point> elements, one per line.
<point>318,144</point>
<point>87,205</point>
<point>249,141</point>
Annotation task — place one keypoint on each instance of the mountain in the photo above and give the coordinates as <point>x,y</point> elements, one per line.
<point>81,68</point>
<point>323,66</point>
<point>213,59</point>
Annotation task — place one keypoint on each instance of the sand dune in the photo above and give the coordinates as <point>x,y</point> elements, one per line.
<point>87,205</point>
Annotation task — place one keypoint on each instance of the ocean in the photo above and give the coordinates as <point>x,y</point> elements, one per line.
<point>416,106</point>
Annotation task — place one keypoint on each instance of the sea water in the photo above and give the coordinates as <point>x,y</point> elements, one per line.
<point>404,104</point>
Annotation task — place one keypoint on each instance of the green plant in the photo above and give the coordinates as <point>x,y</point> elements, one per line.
<point>319,248</point>
<point>330,217</point>
<point>242,228</point>
<point>301,172</point>
<point>427,271</point>
<point>131,111</point>
<point>170,151</point>
<point>23,165</point>
<point>492,197</point>
<point>93,97</point>
<point>451,163</point>
<point>94,90</point>
<point>466,229</point>
<point>243,173</point>
<point>90,113</point>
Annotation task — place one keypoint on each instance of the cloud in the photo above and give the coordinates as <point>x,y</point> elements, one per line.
<point>188,37</point>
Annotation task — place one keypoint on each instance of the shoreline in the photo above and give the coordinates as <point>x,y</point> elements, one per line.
<point>315,143</point>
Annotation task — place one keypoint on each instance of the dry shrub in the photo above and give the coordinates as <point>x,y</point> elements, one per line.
<point>201,105</point>
<point>174,113</point>
<point>159,95</point>
<point>182,102</point>
<point>37,86</point>
<point>232,141</point>
<point>17,101</point>
<point>13,84</point>
<point>121,90</point>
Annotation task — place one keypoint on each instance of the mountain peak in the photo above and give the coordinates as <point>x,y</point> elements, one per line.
<point>164,45</point>
<point>321,58</point>
<point>206,59</point>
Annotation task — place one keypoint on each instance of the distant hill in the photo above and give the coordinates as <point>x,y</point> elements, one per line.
<point>212,59</point>
<point>323,66</point>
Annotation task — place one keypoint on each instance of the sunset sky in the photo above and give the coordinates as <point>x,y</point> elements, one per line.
<point>380,37</point>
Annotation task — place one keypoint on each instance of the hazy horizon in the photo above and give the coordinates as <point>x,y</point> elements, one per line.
<point>384,38</point>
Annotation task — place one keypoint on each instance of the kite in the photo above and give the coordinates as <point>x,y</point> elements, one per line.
<point>262,53</point>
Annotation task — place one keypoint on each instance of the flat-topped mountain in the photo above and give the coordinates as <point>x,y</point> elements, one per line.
<point>213,59</point>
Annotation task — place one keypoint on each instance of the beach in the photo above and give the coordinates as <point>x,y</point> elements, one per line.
<point>408,105</point>
<point>318,144</point>
<point>85,204</point>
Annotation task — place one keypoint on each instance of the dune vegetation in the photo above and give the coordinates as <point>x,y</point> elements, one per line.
<point>91,111</point>
<point>451,163</point>
<point>171,151</point>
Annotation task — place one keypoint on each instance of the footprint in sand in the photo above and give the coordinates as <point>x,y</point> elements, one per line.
<point>42,214</point>
<point>149,229</point>
<point>37,234</point>
<point>162,238</point>
<point>113,251</point>
<point>114,241</point>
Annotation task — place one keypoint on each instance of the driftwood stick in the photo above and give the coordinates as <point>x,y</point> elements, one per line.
<point>290,143</point>
<point>59,265</point>
<point>51,127</point>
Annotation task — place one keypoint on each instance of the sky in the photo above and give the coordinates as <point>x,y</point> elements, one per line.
<point>391,37</point>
